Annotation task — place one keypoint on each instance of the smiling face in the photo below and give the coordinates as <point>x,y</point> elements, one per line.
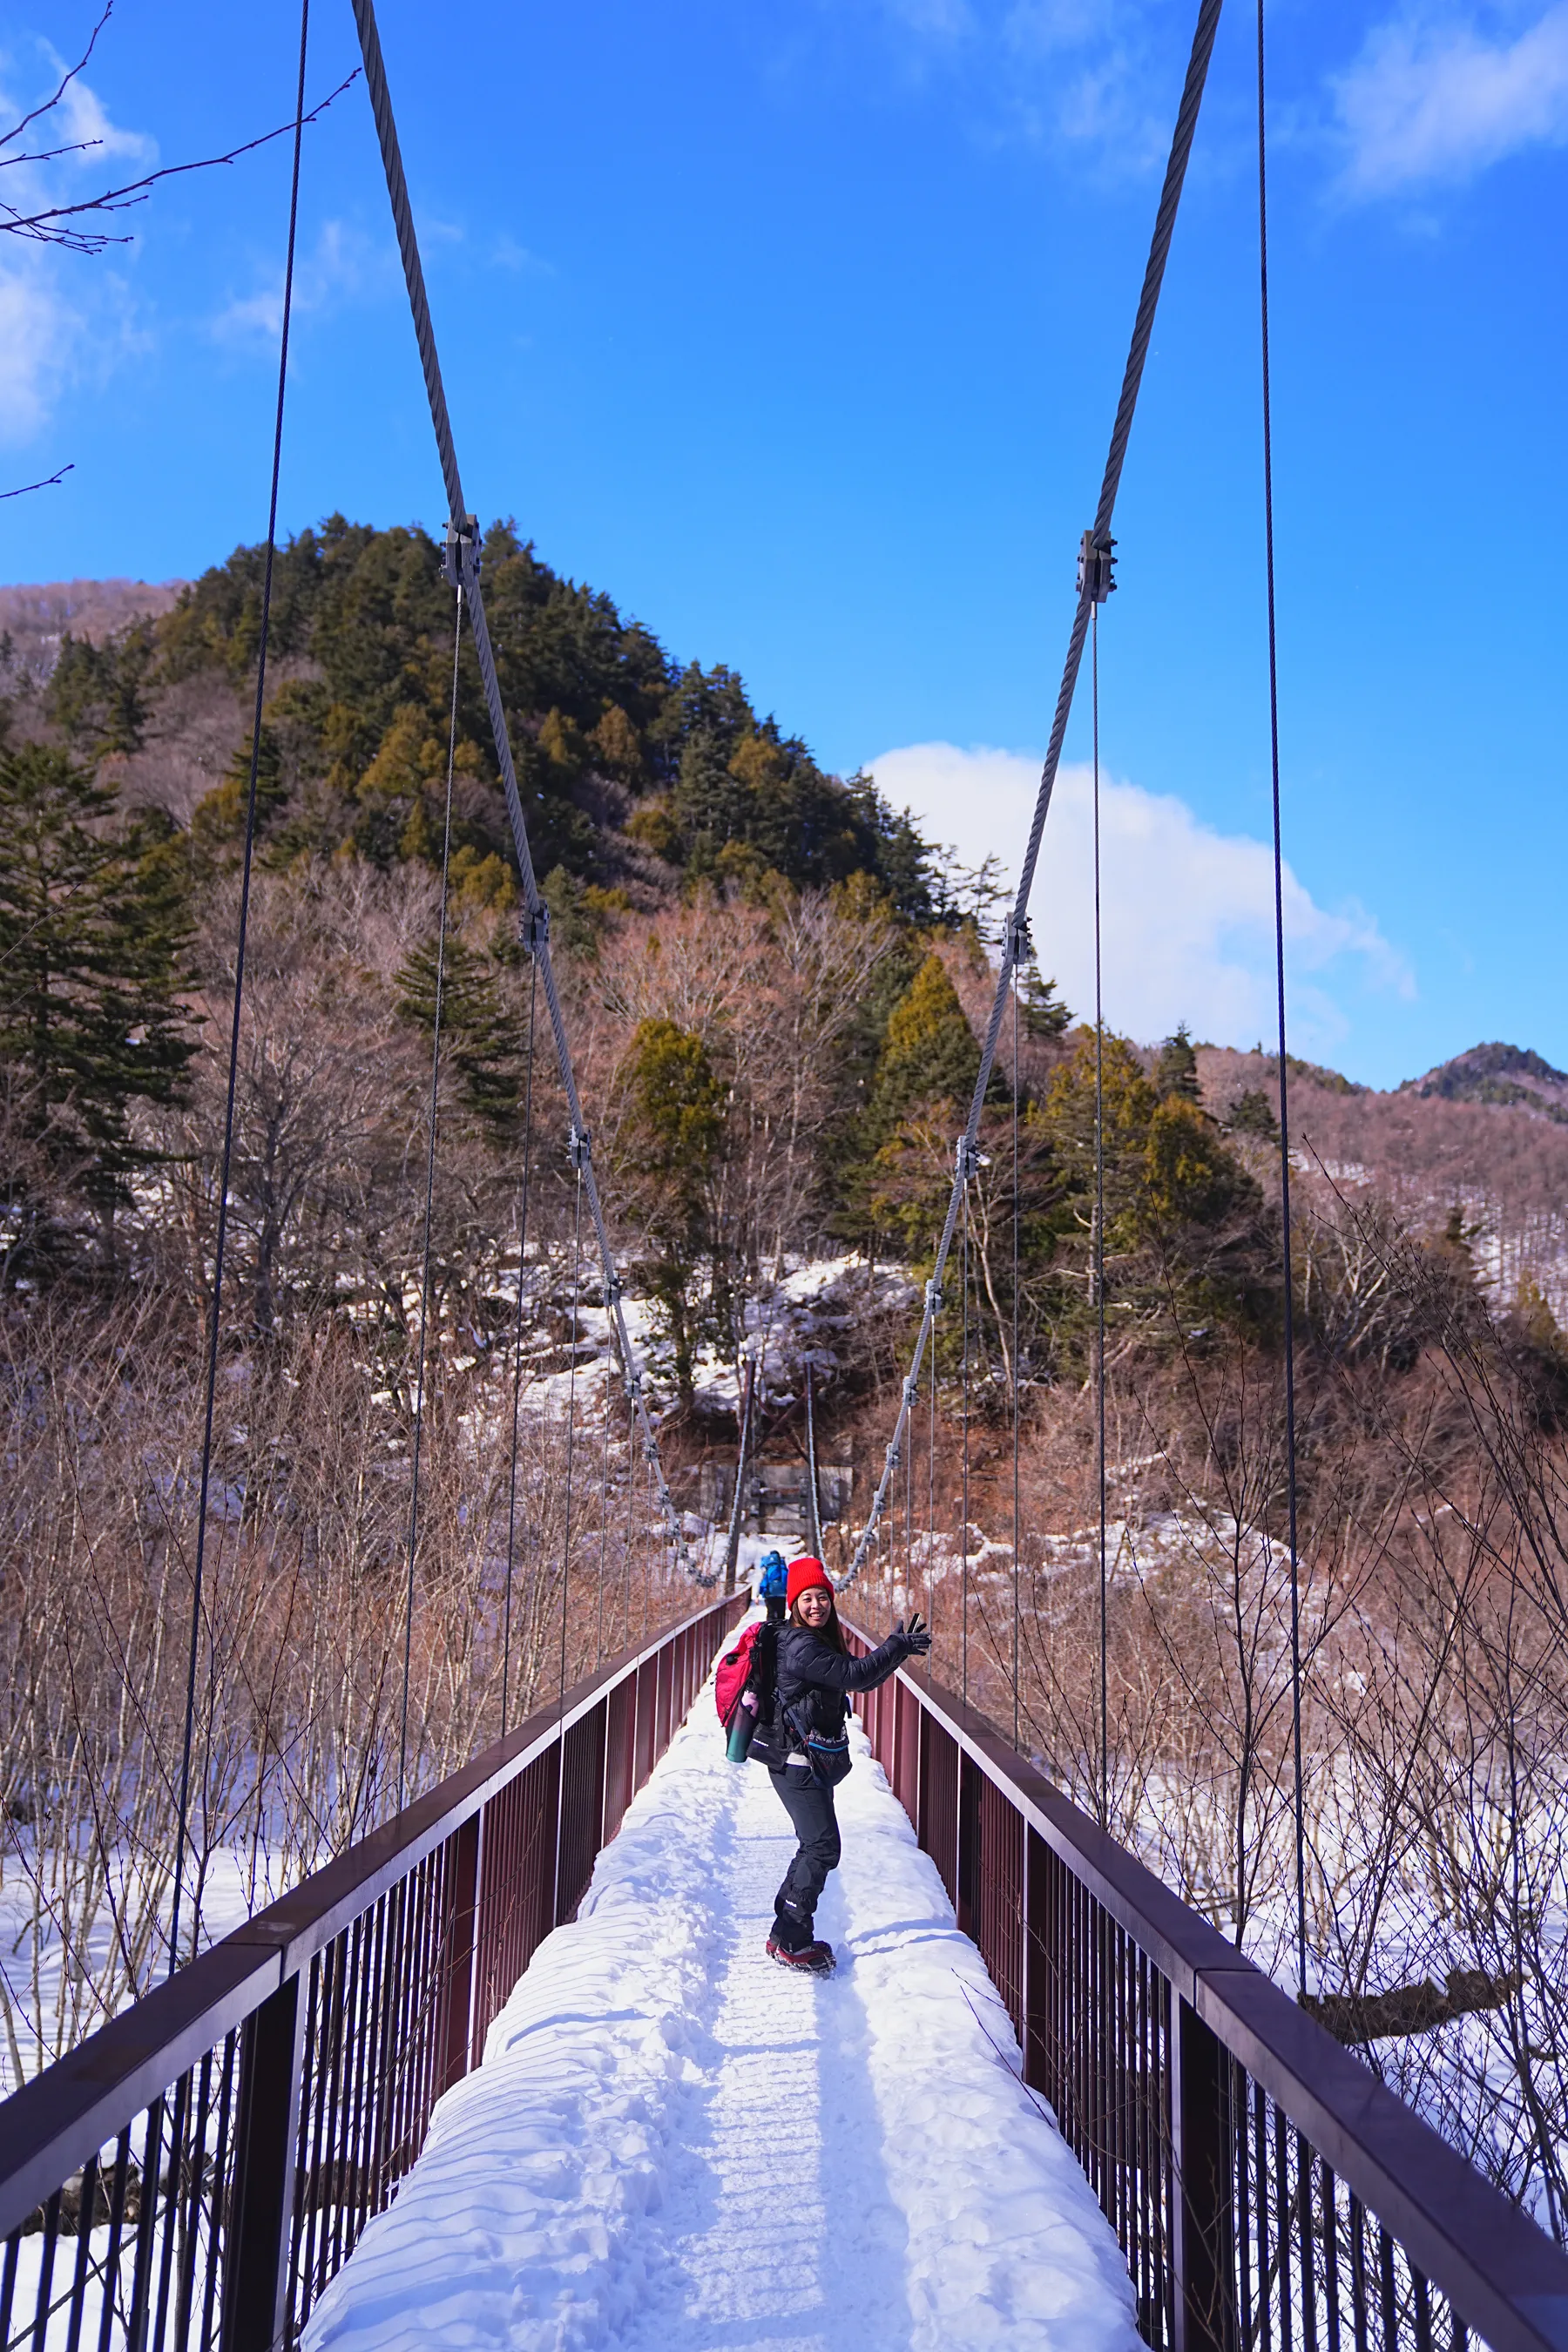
<point>815,1606</point>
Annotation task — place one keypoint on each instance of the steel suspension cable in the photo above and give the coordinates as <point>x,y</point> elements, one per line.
<point>746,1389</point>
<point>814,1528</point>
<point>429,1210</point>
<point>603,1534</point>
<point>1279,987</point>
<point>1099,1257</point>
<point>1100,540</point>
<point>226,1167</point>
<point>464,550</point>
<point>517,1348</point>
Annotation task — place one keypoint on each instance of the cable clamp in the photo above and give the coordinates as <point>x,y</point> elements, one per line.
<point>966,1157</point>
<point>1096,564</point>
<point>634,1386</point>
<point>461,557</point>
<point>933,1296</point>
<point>1020,945</point>
<point>533,931</point>
<point>579,1149</point>
<point>613,1290</point>
<point>649,1449</point>
<point>911,1391</point>
<point>894,1458</point>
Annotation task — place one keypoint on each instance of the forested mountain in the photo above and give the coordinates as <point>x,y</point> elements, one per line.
<point>775,992</point>
<point>636,771</point>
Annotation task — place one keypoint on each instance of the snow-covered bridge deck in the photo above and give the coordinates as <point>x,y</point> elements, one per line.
<point>672,2147</point>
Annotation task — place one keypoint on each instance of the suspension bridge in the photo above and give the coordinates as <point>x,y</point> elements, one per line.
<point>510,2070</point>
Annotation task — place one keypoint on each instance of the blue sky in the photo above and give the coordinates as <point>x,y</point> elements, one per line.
<point>798,329</point>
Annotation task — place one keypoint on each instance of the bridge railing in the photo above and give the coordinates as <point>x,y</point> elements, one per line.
<point>196,2172</point>
<point>1264,2185</point>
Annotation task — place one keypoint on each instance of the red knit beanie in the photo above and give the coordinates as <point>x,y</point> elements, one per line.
<point>803,1574</point>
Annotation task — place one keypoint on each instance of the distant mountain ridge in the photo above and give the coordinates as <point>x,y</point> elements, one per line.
<point>1509,1076</point>
<point>34,619</point>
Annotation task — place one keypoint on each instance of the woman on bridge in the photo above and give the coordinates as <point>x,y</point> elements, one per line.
<point>807,1748</point>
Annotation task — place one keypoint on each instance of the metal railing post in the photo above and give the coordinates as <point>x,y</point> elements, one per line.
<point>1202,2251</point>
<point>966,1867</point>
<point>458,1990</point>
<point>257,2241</point>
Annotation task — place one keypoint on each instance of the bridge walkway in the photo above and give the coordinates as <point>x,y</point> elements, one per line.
<point>671,2144</point>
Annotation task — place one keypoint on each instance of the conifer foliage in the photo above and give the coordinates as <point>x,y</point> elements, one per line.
<point>95,935</point>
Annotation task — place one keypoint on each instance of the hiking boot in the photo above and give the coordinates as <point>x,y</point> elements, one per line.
<point>811,1960</point>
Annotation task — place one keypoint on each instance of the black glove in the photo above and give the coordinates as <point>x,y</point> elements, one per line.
<point>916,1640</point>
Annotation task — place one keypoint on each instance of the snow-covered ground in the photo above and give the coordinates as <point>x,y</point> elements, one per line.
<point>674,2147</point>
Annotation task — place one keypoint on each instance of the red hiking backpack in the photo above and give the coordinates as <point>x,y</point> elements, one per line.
<point>735,1668</point>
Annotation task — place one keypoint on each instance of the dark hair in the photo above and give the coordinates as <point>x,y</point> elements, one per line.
<point>833,1632</point>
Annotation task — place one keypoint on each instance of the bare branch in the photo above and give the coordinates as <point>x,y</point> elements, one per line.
<point>50,103</point>
<point>47,483</point>
<point>51,154</point>
<point>42,228</point>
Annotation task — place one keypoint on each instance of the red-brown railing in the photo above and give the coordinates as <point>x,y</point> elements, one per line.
<point>1266,2188</point>
<point>194,2173</point>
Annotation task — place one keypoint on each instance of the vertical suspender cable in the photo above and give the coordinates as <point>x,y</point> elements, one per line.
<point>604,1529</point>
<point>517,1348</point>
<point>930,1508</point>
<point>1098,1276</point>
<point>1279,980</point>
<point>631,1524</point>
<point>963,1574</point>
<point>220,1239</point>
<point>909,1515</point>
<point>430,1215</point>
<point>571,1426</point>
<point>1016,1647</point>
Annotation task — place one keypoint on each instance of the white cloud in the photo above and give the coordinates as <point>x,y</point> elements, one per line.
<point>60,318</point>
<point>1187,913</point>
<point>1432,97</point>
<point>342,267</point>
<point>1087,76</point>
<point>40,336</point>
<point>83,118</point>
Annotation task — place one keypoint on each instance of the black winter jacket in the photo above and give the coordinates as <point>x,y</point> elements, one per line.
<point>814,1684</point>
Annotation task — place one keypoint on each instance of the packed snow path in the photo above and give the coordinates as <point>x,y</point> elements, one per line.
<point>674,2147</point>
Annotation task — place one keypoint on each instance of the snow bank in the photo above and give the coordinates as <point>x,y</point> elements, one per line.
<point>672,2147</point>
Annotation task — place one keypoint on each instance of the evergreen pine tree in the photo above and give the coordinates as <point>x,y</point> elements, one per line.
<point>477,1031</point>
<point>930,1054</point>
<point>1177,1071</point>
<point>1040,1009</point>
<point>94,933</point>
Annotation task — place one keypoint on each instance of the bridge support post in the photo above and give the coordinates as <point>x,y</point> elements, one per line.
<point>261,2206</point>
<point>966,1902</point>
<point>1202,2252</point>
<point>457,1992</point>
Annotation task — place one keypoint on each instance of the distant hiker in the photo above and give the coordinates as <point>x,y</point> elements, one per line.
<point>773,1583</point>
<point>806,1748</point>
